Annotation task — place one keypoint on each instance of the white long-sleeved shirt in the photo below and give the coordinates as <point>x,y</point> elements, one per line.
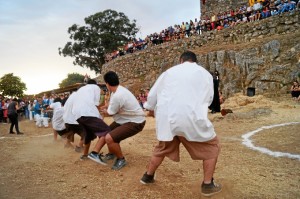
<point>180,98</point>
<point>68,116</point>
<point>58,123</point>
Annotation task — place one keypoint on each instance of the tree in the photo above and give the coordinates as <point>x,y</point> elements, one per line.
<point>104,32</point>
<point>12,86</point>
<point>72,78</point>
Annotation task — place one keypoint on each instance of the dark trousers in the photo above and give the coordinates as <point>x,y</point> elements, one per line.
<point>14,122</point>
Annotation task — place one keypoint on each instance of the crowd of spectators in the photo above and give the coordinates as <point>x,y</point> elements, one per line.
<point>261,9</point>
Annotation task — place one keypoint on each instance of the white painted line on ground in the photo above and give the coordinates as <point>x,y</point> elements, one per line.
<point>247,141</point>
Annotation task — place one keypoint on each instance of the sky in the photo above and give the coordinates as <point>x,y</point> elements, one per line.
<point>31,31</point>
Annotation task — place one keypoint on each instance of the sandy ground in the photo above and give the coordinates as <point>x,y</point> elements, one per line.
<point>34,166</point>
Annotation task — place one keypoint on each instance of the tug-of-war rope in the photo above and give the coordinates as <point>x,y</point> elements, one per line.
<point>247,141</point>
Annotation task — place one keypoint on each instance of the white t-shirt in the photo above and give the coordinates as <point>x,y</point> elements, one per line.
<point>58,123</point>
<point>180,98</point>
<point>124,107</point>
<point>68,116</point>
<point>86,100</point>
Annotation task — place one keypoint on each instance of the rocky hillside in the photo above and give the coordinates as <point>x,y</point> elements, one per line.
<point>263,54</point>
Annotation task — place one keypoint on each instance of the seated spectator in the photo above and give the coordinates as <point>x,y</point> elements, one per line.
<point>257,6</point>
<point>282,7</point>
<point>265,13</point>
<point>245,18</point>
<point>295,90</point>
<point>257,15</point>
<point>291,5</point>
<point>274,12</point>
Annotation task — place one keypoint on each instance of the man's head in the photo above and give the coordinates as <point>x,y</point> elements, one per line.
<point>58,99</point>
<point>91,81</point>
<point>188,56</point>
<point>111,78</point>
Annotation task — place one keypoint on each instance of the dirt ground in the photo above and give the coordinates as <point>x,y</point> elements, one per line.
<point>34,166</point>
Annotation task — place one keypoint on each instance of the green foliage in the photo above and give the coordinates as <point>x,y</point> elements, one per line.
<point>12,86</point>
<point>104,32</point>
<point>72,79</point>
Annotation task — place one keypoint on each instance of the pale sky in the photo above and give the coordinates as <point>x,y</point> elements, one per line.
<point>31,31</point>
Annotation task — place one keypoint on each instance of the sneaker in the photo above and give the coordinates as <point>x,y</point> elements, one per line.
<point>78,149</point>
<point>110,156</point>
<point>147,179</point>
<point>210,189</point>
<point>119,164</point>
<point>20,133</point>
<point>97,158</point>
<point>11,132</point>
<point>83,157</point>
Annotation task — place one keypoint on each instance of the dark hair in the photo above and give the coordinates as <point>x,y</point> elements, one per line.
<point>91,81</point>
<point>111,78</point>
<point>58,99</point>
<point>188,56</point>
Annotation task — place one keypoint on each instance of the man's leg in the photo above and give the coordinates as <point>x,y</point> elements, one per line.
<point>154,164</point>
<point>113,147</point>
<point>100,143</point>
<point>208,169</point>
<point>55,135</point>
<point>209,187</point>
<point>86,149</point>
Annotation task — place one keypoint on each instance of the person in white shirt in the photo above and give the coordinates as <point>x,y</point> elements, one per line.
<point>86,113</point>
<point>129,119</point>
<point>70,121</point>
<point>58,123</point>
<point>179,120</point>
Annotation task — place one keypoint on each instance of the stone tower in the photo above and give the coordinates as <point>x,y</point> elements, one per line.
<point>216,6</point>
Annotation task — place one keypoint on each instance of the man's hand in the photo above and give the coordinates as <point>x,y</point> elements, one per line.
<point>151,114</point>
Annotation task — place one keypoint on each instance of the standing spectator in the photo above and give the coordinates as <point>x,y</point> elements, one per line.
<point>1,111</point>
<point>30,108</point>
<point>215,105</point>
<point>4,108</point>
<point>13,116</point>
<point>184,121</point>
<point>129,119</point>
<point>197,25</point>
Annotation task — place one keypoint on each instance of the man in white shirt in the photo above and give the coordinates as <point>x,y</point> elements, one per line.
<point>129,119</point>
<point>86,113</point>
<point>71,123</point>
<point>180,98</point>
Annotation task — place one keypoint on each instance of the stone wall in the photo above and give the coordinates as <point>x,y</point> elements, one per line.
<point>220,6</point>
<point>263,54</point>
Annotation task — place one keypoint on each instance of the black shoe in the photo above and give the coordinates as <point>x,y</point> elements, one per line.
<point>11,132</point>
<point>20,133</point>
<point>210,189</point>
<point>147,179</point>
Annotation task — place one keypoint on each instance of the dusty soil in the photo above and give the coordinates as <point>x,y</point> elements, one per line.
<point>34,166</point>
